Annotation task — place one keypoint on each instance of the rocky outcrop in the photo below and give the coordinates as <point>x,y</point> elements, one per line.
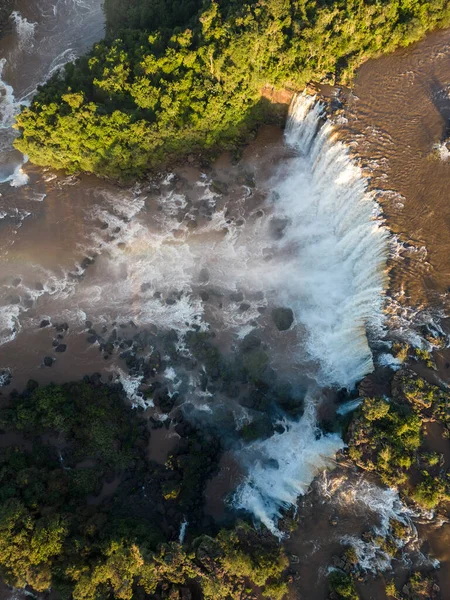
<point>283,318</point>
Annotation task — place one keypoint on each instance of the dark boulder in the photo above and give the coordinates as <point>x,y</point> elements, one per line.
<point>48,361</point>
<point>44,323</point>
<point>236,296</point>
<point>277,227</point>
<point>251,340</point>
<point>203,276</point>
<point>86,262</point>
<point>283,318</point>
<point>259,428</point>
<point>61,348</point>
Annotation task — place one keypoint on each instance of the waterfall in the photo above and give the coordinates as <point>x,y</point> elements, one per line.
<point>183,528</point>
<point>334,249</point>
<point>282,467</point>
<point>335,279</point>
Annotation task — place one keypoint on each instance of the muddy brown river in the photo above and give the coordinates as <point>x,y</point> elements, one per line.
<point>398,115</point>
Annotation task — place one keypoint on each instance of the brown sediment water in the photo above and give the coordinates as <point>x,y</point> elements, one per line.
<point>398,113</point>
<point>221,486</point>
<point>398,116</point>
<point>162,442</point>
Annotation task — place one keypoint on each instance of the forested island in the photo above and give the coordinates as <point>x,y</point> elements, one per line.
<point>177,77</point>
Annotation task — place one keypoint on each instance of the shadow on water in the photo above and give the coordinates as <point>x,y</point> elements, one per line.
<point>440,96</point>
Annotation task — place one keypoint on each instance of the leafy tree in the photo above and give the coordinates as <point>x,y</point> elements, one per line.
<point>176,76</point>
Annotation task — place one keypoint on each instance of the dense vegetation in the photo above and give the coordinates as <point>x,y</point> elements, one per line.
<point>61,527</point>
<point>177,76</point>
<point>387,437</point>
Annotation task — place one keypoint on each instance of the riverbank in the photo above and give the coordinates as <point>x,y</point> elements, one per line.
<point>115,113</point>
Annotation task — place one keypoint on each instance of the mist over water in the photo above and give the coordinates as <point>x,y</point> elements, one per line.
<point>334,280</point>
<point>185,255</point>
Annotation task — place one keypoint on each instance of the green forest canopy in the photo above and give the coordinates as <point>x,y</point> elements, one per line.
<point>180,76</point>
<point>57,532</point>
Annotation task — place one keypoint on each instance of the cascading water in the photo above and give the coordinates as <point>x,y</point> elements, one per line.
<point>337,270</point>
<point>334,281</point>
<point>25,31</point>
<point>282,467</point>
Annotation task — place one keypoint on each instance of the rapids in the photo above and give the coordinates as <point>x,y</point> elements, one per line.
<point>333,278</point>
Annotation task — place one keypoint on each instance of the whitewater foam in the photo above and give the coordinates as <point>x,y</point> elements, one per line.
<point>25,31</point>
<point>336,281</point>
<point>333,250</point>
<point>443,150</point>
<point>5,376</point>
<point>9,108</point>
<point>281,468</point>
<point>385,503</point>
<point>130,385</point>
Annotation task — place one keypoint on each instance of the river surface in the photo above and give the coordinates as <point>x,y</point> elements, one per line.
<point>90,270</point>
<point>398,116</point>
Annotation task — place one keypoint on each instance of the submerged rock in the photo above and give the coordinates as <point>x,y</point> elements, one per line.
<point>283,318</point>
<point>61,348</point>
<point>48,361</point>
<point>251,340</point>
<point>203,276</point>
<point>220,187</point>
<point>236,296</point>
